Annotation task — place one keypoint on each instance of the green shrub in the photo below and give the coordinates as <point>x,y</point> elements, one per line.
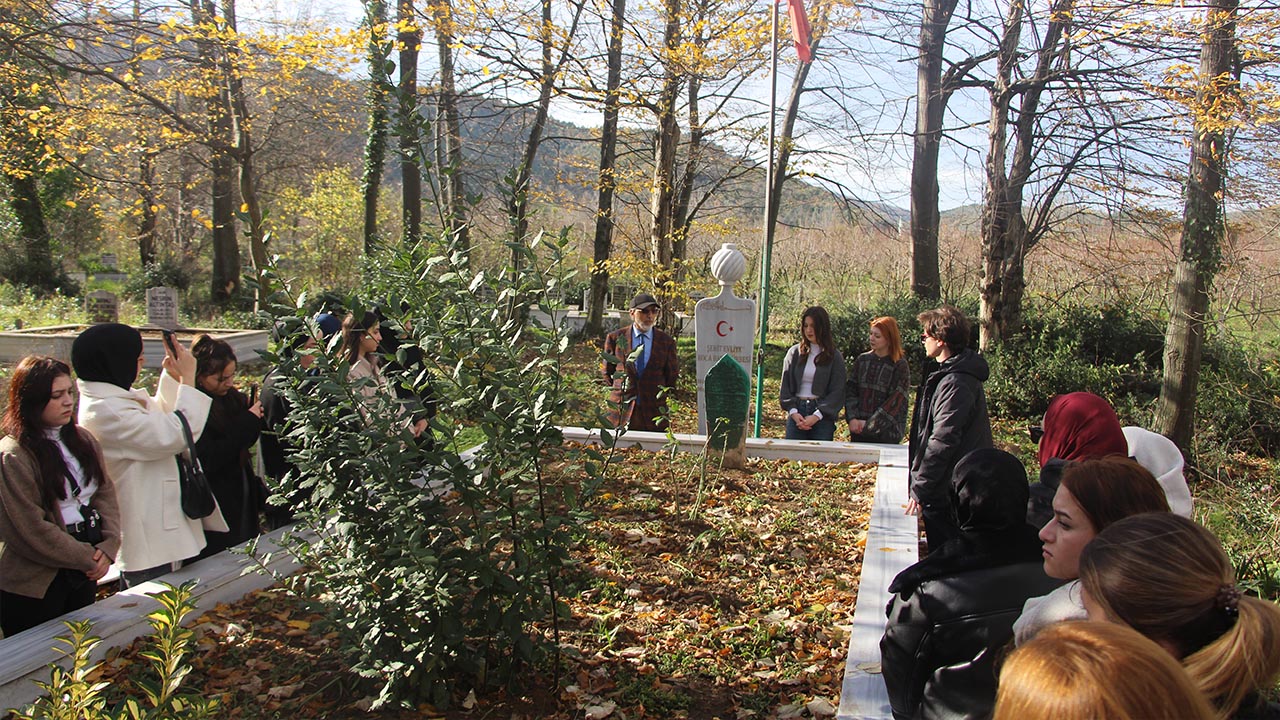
<point>72,695</point>
<point>435,566</point>
<point>1238,398</point>
<point>849,325</point>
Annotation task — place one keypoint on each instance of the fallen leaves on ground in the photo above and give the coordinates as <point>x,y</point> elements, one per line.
<point>737,608</point>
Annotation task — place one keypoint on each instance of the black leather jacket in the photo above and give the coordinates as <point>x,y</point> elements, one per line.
<point>940,648</point>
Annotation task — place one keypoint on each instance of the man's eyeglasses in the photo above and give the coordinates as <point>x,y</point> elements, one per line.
<point>651,310</point>
<point>1036,433</point>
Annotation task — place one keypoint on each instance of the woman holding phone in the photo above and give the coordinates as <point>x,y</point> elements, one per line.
<point>233,427</point>
<point>58,515</point>
<point>140,436</point>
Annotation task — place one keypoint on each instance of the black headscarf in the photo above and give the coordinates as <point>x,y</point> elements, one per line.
<point>107,353</point>
<point>989,494</point>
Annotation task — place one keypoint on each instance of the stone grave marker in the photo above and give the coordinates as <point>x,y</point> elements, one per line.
<point>724,324</point>
<point>728,391</point>
<point>102,306</point>
<point>162,307</point>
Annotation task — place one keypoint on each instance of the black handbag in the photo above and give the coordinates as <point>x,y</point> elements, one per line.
<point>197,496</point>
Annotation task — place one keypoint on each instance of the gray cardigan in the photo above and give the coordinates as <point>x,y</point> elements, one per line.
<point>828,383</point>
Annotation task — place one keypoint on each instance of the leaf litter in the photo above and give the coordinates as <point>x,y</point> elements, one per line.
<point>737,608</point>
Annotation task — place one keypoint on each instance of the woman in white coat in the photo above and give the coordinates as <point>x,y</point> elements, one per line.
<point>140,437</point>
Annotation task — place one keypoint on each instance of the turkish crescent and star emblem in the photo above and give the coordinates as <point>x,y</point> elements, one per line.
<point>720,328</point>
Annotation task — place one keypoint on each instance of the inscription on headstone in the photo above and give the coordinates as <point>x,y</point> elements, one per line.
<point>109,261</point>
<point>162,307</point>
<point>102,306</point>
<point>724,324</point>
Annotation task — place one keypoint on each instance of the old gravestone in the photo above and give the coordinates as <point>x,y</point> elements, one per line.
<point>724,324</point>
<point>102,306</point>
<point>728,390</point>
<point>162,307</point>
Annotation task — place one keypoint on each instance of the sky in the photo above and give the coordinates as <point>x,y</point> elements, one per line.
<point>879,174</point>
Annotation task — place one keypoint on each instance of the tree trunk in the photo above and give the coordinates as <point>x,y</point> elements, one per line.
<point>149,220</point>
<point>680,219</point>
<point>930,105</point>
<point>24,200</point>
<point>1006,238</point>
<point>244,152</point>
<point>1203,227</point>
<point>518,204</point>
<point>376,97</point>
<point>225,276</point>
<point>409,39</point>
<point>602,245</point>
<point>452,188</point>
<point>662,189</point>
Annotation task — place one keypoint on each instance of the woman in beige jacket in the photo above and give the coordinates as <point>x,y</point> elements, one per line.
<point>58,514</point>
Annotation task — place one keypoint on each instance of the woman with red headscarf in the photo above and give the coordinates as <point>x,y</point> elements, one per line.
<point>1077,426</point>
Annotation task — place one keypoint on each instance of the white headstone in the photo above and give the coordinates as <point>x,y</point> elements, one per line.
<point>102,306</point>
<point>162,307</point>
<point>724,324</point>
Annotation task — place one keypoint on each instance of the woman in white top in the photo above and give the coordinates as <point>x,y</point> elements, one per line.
<point>58,515</point>
<point>813,380</point>
<point>140,437</point>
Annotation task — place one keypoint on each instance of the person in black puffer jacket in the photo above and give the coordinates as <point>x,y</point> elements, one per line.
<point>952,613</point>
<point>950,419</point>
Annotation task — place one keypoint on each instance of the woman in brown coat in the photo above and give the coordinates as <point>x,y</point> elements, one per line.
<point>58,514</point>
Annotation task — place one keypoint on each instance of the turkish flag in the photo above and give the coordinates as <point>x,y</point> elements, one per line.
<point>800,29</point>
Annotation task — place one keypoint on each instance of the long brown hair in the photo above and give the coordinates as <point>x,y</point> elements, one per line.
<point>821,328</point>
<point>354,328</point>
<point>1095,671</point>
<point>30,390</point>
<point>1112,488</point>
<point>1169,579</point>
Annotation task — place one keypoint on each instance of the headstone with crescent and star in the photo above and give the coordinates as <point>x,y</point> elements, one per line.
<point>725,324</point>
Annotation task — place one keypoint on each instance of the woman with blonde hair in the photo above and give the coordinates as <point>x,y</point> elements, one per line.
<point>1169,579</point>
<point>875,398</point>
<point>1095,671</point>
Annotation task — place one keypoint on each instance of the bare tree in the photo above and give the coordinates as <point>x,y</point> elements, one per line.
<point>1203,225</point>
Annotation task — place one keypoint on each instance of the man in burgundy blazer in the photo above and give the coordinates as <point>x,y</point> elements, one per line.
<point>649,363</point>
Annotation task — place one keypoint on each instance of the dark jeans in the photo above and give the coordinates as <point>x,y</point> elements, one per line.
<point>134,578</point>
<point>70,590</point>
<point>939,524</point>
<point>825,429</point>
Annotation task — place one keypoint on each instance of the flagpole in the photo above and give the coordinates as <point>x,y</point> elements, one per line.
<point>766,254</point>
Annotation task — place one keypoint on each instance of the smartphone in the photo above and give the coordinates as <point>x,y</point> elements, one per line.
<point>253,394</point>
<point>170,342</point>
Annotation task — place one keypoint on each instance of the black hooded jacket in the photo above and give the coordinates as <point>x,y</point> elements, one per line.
<point>950,420</point>
<point>952,613</point>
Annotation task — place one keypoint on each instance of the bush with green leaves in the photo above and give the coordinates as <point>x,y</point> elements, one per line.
<point>71,694</point>
<point>1109,350</point>
<point>849,326</point>
<point>435,563</point>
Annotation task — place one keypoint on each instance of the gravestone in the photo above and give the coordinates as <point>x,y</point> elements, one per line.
<point>724,324</point>
<point>109,261</point>
<point>728,390</point>
<point>162,307</point>
<point>102,306</point>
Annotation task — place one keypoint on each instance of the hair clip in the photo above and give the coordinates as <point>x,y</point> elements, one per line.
<point>1228,600</point>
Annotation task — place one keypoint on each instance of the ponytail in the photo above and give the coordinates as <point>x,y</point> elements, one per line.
<point>1169,579</point>
<point>1240,661</point>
